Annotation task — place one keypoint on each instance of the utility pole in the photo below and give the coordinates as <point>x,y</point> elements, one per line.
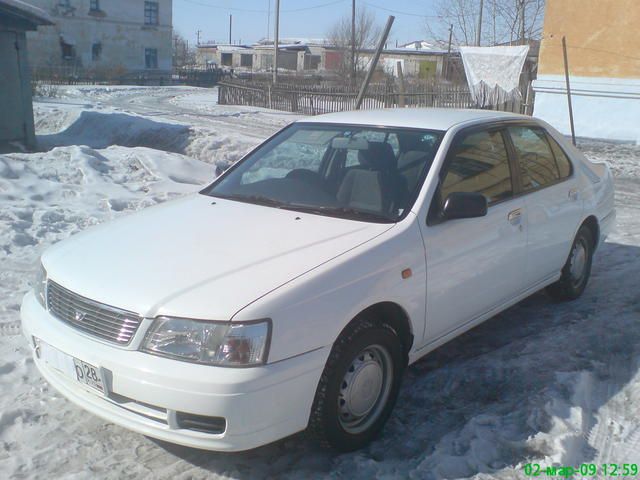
<point>353,42</point>
<point>522,29</point>
<point>479,29</point>
<point>446,72</point>
<point>230,27</point>
<point>374,62</point>
<point>198,34</point>
<point>276,39</point>
<point>269,20</point>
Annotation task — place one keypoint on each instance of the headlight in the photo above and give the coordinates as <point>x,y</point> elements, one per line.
<point>211,343</point>
<point>40,285</point>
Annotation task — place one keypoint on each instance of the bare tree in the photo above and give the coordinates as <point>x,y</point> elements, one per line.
<point>502,21</point>
<point>182,53</point>
<point>367,32</point>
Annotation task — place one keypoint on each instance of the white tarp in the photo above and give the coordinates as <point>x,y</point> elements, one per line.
<point>493,73</point>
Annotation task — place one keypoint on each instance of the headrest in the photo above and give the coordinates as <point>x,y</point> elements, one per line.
<point>379,156</point>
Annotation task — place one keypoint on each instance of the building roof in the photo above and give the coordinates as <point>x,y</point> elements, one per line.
<point>23,11</point>
<point>423,118</point>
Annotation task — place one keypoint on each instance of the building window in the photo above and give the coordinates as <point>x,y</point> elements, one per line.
<point>94,6</point>
<point>246,60</point>
<point>227,59</point>
<point>151,57</point>
<point>68,51</point>
<point>151,13</point>
<point>96,51</point>
<point>64,3</point>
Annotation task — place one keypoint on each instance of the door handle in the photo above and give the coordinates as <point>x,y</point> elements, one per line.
<point>573,194</point>
<point>515,216</point>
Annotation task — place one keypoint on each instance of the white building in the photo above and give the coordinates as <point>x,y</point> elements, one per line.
<point>114,37</point>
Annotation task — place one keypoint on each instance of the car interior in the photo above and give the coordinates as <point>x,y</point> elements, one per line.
<point>373,171</point>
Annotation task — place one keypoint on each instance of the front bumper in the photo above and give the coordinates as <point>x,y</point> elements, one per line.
<point>145,392</point>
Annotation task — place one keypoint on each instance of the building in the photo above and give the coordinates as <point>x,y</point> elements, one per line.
<point>419,59</point>
<point>602,39</point>
<point>16,109</point>
<point>108,37</point>
<point>293,55</point>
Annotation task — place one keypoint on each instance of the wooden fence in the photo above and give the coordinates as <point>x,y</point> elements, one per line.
<point>315,100</point>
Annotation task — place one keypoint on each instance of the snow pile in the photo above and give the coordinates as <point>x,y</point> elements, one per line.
<point>48,196</point>
<point>100,130</point>
<point>541,382</point>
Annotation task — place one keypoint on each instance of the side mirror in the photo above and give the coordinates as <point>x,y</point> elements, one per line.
<point>464,205</point>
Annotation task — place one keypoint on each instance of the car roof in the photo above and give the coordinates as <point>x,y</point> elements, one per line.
<point>423,118</point>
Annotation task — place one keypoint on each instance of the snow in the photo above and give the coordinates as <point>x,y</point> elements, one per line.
<point>34,12</point>
<point>542,382</point>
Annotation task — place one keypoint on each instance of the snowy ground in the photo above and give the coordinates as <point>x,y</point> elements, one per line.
<point>542,382</point>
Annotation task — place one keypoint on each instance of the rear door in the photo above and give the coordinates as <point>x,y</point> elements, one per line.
<point>475,264</point>
<point>551,197</point>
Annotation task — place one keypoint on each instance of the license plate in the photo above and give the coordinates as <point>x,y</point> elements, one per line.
<point>72,367</point>
<point>89,375</point>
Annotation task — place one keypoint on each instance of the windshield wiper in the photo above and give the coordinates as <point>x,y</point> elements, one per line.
<point>257,199</point>
<point>339,211</point>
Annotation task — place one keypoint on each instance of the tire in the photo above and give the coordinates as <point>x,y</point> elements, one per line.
<point>358,387</point>
<point>576,272</point>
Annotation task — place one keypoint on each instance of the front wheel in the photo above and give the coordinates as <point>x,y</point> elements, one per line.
<point>576,272</point>
<point>359,387</point>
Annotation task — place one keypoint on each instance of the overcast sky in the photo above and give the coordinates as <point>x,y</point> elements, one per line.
<point>298,18</point>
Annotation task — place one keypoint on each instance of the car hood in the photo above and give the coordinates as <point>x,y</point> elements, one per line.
<point>199,257</point>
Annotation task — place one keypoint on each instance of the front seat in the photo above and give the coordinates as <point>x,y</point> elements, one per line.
<point>375,185</point>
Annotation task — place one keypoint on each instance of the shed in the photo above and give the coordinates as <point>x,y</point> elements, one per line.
<point>16,109</point>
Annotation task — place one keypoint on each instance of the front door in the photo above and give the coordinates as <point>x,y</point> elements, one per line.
<point>475,264</point>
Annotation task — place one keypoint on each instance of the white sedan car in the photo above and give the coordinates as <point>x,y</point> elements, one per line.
<point>294,291</point>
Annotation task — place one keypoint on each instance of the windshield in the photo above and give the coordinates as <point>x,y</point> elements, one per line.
<point>364,173</point>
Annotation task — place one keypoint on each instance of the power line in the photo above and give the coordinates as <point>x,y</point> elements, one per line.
<point>248,10</point>
<point>410,14</point>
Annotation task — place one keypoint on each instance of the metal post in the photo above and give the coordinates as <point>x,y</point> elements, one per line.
<point>230,27</point>
<point>275,42</point>
<point>353,42</point>
<point>479,30</point>
<point>566,76</point>
<point>446,72</point>
<point>374,61</point>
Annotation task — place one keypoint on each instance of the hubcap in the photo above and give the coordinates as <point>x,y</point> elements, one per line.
<point>578,261</point>
<point>364,389</point>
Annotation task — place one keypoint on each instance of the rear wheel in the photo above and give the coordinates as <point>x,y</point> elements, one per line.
<point>576,272</point>
<point>359,386</point>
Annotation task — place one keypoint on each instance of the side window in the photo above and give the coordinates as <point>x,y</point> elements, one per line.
<point>564,165</point>
<point>535,158</point>
<point>479,163</point>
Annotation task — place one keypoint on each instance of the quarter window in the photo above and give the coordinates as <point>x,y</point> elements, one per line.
<point>479,163</point>
<point>151,13</point>
<point>535,158</point>
<point>564,165</point>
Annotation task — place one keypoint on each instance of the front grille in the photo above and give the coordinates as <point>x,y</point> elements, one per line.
<point>103,321</point>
